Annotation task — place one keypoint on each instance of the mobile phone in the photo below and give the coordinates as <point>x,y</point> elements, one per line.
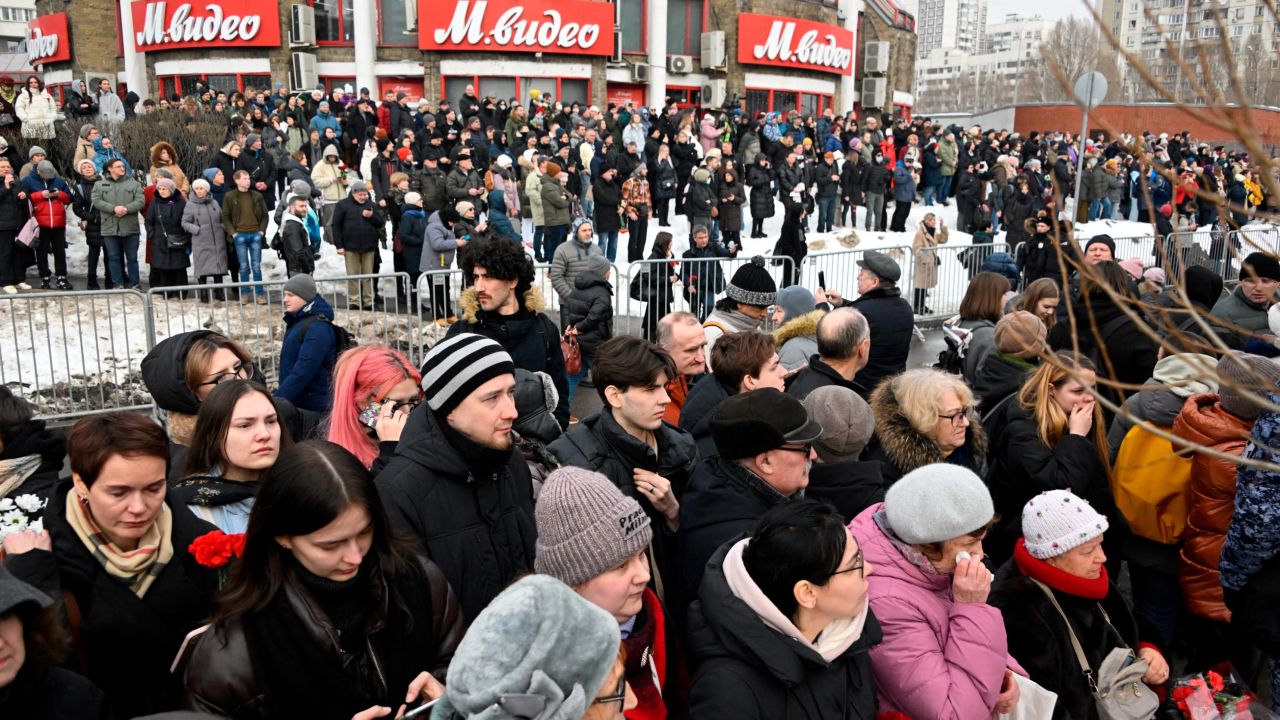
<point>369,415</point>
<point>822,279</point>
<point>422,710</point>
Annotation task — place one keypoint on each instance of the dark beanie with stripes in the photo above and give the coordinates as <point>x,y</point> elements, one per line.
<point>456,366</point>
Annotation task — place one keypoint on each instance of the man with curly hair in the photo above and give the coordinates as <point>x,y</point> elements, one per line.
<point>502,303</point>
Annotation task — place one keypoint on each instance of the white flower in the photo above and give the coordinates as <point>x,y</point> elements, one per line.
<point>29,502</point>
<point>6,504</point>
<point>14,521</point>
<point>36,525</point>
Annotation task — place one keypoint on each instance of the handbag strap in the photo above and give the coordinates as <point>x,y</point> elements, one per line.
<point>1075,642</point>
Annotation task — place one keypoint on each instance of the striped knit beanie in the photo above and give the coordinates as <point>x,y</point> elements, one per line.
<point>456,366</point>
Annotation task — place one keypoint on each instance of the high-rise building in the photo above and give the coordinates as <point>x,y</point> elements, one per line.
<point>1003,55</point>
<point>955,24</point>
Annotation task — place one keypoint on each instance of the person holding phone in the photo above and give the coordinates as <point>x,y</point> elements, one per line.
<point>374,390</point>
<point>325,614</point>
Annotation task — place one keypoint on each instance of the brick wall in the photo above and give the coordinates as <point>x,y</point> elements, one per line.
<point>1134,119</point>
<point>902,52</point>
<point>92,25</point>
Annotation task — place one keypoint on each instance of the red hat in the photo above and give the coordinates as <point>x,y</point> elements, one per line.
<point>1166,210</point>
<point>403,153</point>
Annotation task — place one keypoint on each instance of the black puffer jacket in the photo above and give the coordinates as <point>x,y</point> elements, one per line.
<point>699,406</point>
<point>607,195</point>
<point>49,445</point>
<point>164,225</point>
<point>129,642</point>
<point>589,309</point>
<point>818,374</point>
<point>760,181</point>
<point>477,523</point>
<point>51,693</point>
<point>999,377</point>
<point>750,671</point>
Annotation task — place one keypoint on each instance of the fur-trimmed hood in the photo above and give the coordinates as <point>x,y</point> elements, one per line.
<point>155,154</point>
<point>908,449</point>
<point>802,326</point>
<point>469,305</point>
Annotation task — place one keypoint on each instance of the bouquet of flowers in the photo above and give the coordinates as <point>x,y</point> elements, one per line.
<point>21,513</point>
<point>1217,694</point>
<point>216,549</point>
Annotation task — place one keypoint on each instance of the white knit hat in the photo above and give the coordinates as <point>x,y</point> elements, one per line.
<point>1053,522</point>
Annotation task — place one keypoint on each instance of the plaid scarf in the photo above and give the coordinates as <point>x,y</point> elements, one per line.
<point>136,568</point>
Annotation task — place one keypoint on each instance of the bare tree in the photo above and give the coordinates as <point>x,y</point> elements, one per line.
<point>1076,47</point>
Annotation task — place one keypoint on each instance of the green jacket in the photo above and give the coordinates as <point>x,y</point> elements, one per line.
<point>108,194</point>
<point>231,205</point>
<point>947,152</point>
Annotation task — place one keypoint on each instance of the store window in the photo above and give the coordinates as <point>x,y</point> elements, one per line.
<point>335,82</point>
<point>684,97</point>
<point>257,83</point>
<point>633,26</point>
<point>334,21</point>
<point>684,27</point>
<point>183,85</point>
<point>760,100</point>
<point>395,18</point>
<point>565,90</point>
<point>757,101</point>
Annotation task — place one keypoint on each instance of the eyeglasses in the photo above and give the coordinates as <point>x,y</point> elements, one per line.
<point>406,405</point>
<point>619,694</point>
<point>966,413</point>
<point>239,371</point>
<point>806,448</point>
<point>858,565</point>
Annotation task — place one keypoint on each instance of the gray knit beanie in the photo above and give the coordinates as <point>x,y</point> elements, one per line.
<point>36,150</point>
<point>795,301</point>
<point>1242,372</point>
<point>302,285</point>
<point>539,650</point>
<point>46,171</point>
<point>586,526</point>
<point>358,186</point>
<point>937,502</point>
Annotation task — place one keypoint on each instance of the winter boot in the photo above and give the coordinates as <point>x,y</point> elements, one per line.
<point>46,282</point>
<point>63,284</point>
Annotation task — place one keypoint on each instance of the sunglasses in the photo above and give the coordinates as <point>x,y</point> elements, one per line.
<point>805,448</point>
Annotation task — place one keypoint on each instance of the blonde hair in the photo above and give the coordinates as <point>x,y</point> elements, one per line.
<point>919,396</point>
<point>1051,420</point>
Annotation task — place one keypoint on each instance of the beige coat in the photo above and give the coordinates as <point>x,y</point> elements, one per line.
<point>925,245</point>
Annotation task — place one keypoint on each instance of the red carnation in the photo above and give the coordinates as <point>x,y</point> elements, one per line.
<point>1215,681</point>
<point>215,549</point>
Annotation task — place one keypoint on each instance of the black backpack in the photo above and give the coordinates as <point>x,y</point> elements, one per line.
<point>343,340</point>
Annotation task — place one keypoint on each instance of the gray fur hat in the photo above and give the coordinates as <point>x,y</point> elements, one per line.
<point>539,651</point>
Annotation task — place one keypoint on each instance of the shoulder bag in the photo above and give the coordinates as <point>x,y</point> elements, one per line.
<point>572,353</point>
<point>1117,687</point>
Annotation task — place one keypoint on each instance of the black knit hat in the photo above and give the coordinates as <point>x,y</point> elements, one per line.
<point>1260,265</point>
<point>752,285</point>
<point>1105,240</point>
<point>456,366</point>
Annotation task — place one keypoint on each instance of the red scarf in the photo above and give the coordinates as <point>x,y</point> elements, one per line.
<point>1037,569</point>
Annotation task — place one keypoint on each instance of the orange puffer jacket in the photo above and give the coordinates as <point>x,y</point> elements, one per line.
<point>1210,500</point>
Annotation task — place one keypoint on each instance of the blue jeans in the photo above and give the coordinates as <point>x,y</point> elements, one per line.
<point>122,251</point>
<point>995,221</point>
<point>930,193</point>
<point>577,378</point>
<point>609,245</point>
<point>826,213</point>
<point>538,251</point>
<point>944,190</point>
<point>249,253</point>
<point>588,205</point>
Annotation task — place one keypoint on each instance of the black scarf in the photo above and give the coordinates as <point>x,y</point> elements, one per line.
<point>298,679</point>
<point>212,491</point>
<point>482,460</point>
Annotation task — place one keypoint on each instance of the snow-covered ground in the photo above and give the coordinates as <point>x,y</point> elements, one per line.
<point>82,352</point>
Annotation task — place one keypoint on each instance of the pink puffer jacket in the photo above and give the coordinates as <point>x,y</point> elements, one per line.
<point>939,659</point>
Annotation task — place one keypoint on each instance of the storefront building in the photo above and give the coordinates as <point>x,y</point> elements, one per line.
<point>775,55</point>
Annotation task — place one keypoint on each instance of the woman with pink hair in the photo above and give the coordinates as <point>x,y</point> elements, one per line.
<point>374,390</point>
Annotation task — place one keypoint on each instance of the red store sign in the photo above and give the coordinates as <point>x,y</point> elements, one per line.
<point>794,43</point>
<point>48,40</point>
<point>173,24</point>
<point>573,27</point>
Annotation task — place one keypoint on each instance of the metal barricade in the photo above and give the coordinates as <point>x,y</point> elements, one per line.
<point>954,267</point>
<point>1142,247</point>
<point>75,354</point>
<point>691,284</point>
<point>1216,249</point>
<point>1258,238</point>
<point>840,268</point>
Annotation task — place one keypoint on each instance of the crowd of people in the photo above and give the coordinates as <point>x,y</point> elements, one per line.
<point>770,515</point>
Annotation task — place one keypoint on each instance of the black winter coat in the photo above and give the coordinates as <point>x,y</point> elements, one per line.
<point>723,501</point>
<point>998,377</point>
<point>665,182</point>
<point>900,448</point>
<point>82,206</point>
<point>164,223</point>
<point>699,405</point>
<point>50,445</point>
<point>1041,257</point>
<point>128,642</point>
<point>49,693</point>
<point>851,179</point>
<point>1022,467</point>
<point>875,180</point>
<point>607,195</point>
<point>823,173</point>
<point>1038,637</point>
<point>476,523</point>
<point>851,486</point>
<point>788,177</point>
<point>13,212</point>
<point>352,230</point>
<point>731,197</point>
<point>818,374</point>
<point>749,671</point>
<point>698,200</point>
<point>892,323</point>
<point>590,310</point>
<point>761,184</point>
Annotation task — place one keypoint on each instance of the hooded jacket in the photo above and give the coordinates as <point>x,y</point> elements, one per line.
<point>129,641</point>
<point>999,377</point>
<point>1157,402</point>
<point>939,658</point>
<point>295,244</point>
<point>172,167</point>
<point>49,212</point>
<point>589,309</point>
<point>1211,496</point>
<point>441,245</point>
<point>754,664</point>
<point>307,356</point>
<point>797,340</point>
<point>48,447</point>
<point>476,523</point>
